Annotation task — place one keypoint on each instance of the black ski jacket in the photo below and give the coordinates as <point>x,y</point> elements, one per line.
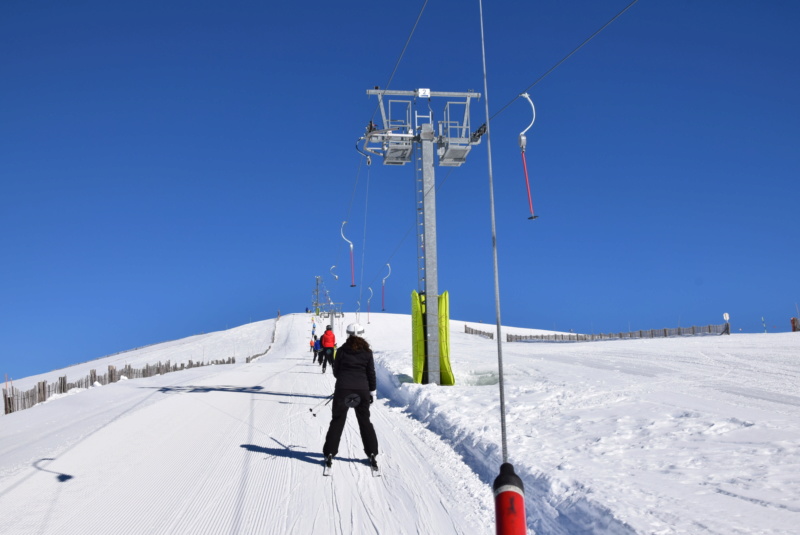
<point>354,370</point>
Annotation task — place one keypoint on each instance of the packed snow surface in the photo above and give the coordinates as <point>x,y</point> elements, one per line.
<point>658,436</point>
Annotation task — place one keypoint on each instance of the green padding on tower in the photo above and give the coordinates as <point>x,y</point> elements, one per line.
<point>445,371</point>
<point>418,338</point>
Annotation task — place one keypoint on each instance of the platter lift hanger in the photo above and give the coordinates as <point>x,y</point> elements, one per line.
<point>523,141</point>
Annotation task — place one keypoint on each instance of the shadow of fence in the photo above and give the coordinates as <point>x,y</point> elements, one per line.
<point>15,399</point>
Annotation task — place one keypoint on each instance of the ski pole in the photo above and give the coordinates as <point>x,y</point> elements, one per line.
<point>314,414</point>
<point>321,402</point>
<point>329,399</point>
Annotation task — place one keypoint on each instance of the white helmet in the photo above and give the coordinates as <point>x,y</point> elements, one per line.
<point>355,328</point>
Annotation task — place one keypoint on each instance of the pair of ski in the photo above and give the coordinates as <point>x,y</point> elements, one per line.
<point>373,465</point>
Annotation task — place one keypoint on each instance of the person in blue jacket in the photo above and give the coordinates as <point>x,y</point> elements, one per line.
<point>317,348</point>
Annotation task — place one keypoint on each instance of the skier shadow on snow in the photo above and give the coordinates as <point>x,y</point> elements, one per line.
<point>188,389</point>
<point>314,458</point>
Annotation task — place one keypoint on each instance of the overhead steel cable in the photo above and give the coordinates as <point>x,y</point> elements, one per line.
<point>565,58</point>
<point>410,228</point>
<point>388,83</point>
<point>542,77</point>
<point>402,53</point>
<point>364,242</point>
<point>349,210</point>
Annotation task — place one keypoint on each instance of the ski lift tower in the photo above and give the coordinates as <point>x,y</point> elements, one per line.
<point>315,296</point>
<point>334,311</point>
<point>396,142</point>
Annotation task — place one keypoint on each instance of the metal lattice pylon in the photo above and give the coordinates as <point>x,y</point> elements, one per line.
<point>399,142</point>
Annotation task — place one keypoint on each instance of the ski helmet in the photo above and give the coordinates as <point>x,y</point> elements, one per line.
<point>355,328</point>
<point>328,328</point>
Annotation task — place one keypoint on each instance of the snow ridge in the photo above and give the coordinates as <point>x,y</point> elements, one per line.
<point>552,507</point>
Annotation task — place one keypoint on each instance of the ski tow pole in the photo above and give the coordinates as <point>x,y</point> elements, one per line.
<point>509,492</point>
<point>383,290</point>
<point>522,142</point>
<point>352,262</point>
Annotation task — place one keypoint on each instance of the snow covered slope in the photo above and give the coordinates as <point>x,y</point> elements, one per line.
<point>695,435</point>
<point>227,449</point>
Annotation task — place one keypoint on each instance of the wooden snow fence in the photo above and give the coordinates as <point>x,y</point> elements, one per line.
<point>252,358</point>
<point>470,330</point>
<point>15,399</point>
<point>652,333</point>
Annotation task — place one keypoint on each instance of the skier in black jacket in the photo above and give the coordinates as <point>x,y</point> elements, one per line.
<point>354,369</point>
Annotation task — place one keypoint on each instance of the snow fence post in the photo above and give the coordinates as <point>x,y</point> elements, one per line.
<point>509,502</point>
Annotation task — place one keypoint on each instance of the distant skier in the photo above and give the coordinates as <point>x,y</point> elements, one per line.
<point>317,348</point>
<point>311,345</point>
<point>354,369</point>
<point>328,343</point>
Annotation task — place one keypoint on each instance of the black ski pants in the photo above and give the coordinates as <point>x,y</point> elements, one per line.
<point>326,357</point>
<point>339,417</point>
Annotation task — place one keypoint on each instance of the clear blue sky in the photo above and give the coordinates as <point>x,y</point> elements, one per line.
<point>171,168</point>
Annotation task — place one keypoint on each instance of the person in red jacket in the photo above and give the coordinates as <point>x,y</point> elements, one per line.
<point>328,343</point>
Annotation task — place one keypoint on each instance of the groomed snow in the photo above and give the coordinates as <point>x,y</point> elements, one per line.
<point>681,435</point>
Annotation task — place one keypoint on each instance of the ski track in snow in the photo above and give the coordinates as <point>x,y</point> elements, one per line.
<point>237,451</point>
<point>694,435</point>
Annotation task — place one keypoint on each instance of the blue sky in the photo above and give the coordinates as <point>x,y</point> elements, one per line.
<point>171,168</point>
